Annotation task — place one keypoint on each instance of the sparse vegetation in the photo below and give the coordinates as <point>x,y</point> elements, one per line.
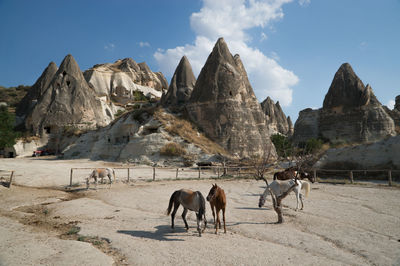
<point>74,230</point>
<point>185,129</point>
<point>172,149</point>
<point>13,95</point>
<point>139,96</point>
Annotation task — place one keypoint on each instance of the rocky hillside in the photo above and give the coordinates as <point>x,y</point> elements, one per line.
<point>277,121</point>
<point>350,114</point>
<point>120,80</point>
<point>225,107</point>
<point>146,136</point>
<point>379,155</point>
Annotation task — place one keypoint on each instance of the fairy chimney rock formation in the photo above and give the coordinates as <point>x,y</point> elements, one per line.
<point>350,114</point>
<point>122,79</point>
<point>277,121</point>
<point>181,87</point>
<point>224,106</point>
<point>68,101</point>
<point>27,103</point>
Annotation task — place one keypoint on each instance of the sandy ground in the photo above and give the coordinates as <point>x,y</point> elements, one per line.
<point>126,224</point>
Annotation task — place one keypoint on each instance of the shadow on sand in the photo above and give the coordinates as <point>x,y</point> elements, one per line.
<point>162,233</point>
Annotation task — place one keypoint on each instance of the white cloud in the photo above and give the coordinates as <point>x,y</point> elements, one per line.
<point>304,2</point>
<point>231,19</point>
<point>109,47</point>
<point>391,104</point>
<point>144,44</point>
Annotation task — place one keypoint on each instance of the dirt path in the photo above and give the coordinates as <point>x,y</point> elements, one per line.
<point>340,225</point>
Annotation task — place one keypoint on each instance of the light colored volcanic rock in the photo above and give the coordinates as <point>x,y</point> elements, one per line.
<point>181,87</point>
<point>121,79</point>
<point>276,119</point>
<point>379,155</point>
<point>225,107</point>
<point>68,101</point>
<point>351,113</point>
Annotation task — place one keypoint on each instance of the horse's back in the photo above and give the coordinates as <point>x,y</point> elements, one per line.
<point>190,199</point>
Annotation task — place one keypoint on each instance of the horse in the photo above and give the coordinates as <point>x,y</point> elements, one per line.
<point>293,172</point>
<point>100,173</point>
<point>217,200</point>
<point>190,200</point>
<point>278,187</point>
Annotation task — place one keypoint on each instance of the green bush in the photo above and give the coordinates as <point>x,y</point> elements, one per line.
<point>282,145</point>
<point>313,145</point>
<point>7,133</point>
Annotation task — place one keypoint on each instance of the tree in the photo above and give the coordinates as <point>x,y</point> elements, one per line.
<point>282,145</point>
<point>7,133</point>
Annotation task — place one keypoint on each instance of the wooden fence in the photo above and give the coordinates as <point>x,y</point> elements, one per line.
<point>130,173</point>
<point>6,174</point>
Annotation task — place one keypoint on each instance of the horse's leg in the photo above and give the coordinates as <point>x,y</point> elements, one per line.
<point>176,206</point>
<point>218,221</point>
<point>212,209</point>
<point>184,218</point>
<point>223,217</point>
<point>301,200</point>
<point>198,219</point>
<point>297,191</point>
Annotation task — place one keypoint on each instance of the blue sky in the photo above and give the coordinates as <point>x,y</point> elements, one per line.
<point>290,49</point>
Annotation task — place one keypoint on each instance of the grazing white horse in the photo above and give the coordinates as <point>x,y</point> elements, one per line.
<point>278,187</point>
<point>101,173</point>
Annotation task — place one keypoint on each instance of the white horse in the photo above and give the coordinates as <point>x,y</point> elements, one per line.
<point>101,173</point>
<point>279,187</point>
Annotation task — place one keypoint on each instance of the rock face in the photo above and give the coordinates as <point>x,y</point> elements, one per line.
<point>351,113</point>
<point>123,78</point>
<point>395,114</point>
<point>181,87</point>
<point>379,155</point>
<point>36,91</point>
<point>67,101</point>
<point>224,106</point>
<point>276,119</point>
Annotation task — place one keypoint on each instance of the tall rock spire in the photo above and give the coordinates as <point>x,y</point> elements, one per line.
<point>68,101</point>
<point>181,86</point>
<point>224,105</point>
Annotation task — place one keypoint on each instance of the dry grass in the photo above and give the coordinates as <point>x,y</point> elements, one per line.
<point>172,149</point>
<point>186,130</point>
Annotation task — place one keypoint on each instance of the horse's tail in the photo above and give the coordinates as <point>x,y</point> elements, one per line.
<point>202,209</point>
<point>171,201</point>
<point>306,186</point>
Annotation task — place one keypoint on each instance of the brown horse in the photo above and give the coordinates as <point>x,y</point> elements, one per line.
<point>217,200</point>
<point>293,172</point>
<point>190,200</point>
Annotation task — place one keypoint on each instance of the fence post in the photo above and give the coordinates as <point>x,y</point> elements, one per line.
<point>199,171</point>
<point>218,171</point>
<point>128,174</point>
<point>177,169</point>
<point>70,177</point>
<point>351,177</point>
<point>154,173</point>
<point>11,178</point>
<point>315,175</point>
<point>239,171</point>
<point>390,177</point>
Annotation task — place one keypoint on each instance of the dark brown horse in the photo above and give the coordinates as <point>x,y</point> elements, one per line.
<point>293,172</point>
<point>217,200</point>
<point>190,200</point>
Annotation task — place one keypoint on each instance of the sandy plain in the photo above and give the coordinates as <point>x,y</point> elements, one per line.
<point>41,223</point>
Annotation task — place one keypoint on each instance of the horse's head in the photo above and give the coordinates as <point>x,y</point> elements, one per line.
<point>213,192</point>
<point>304,175</point>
